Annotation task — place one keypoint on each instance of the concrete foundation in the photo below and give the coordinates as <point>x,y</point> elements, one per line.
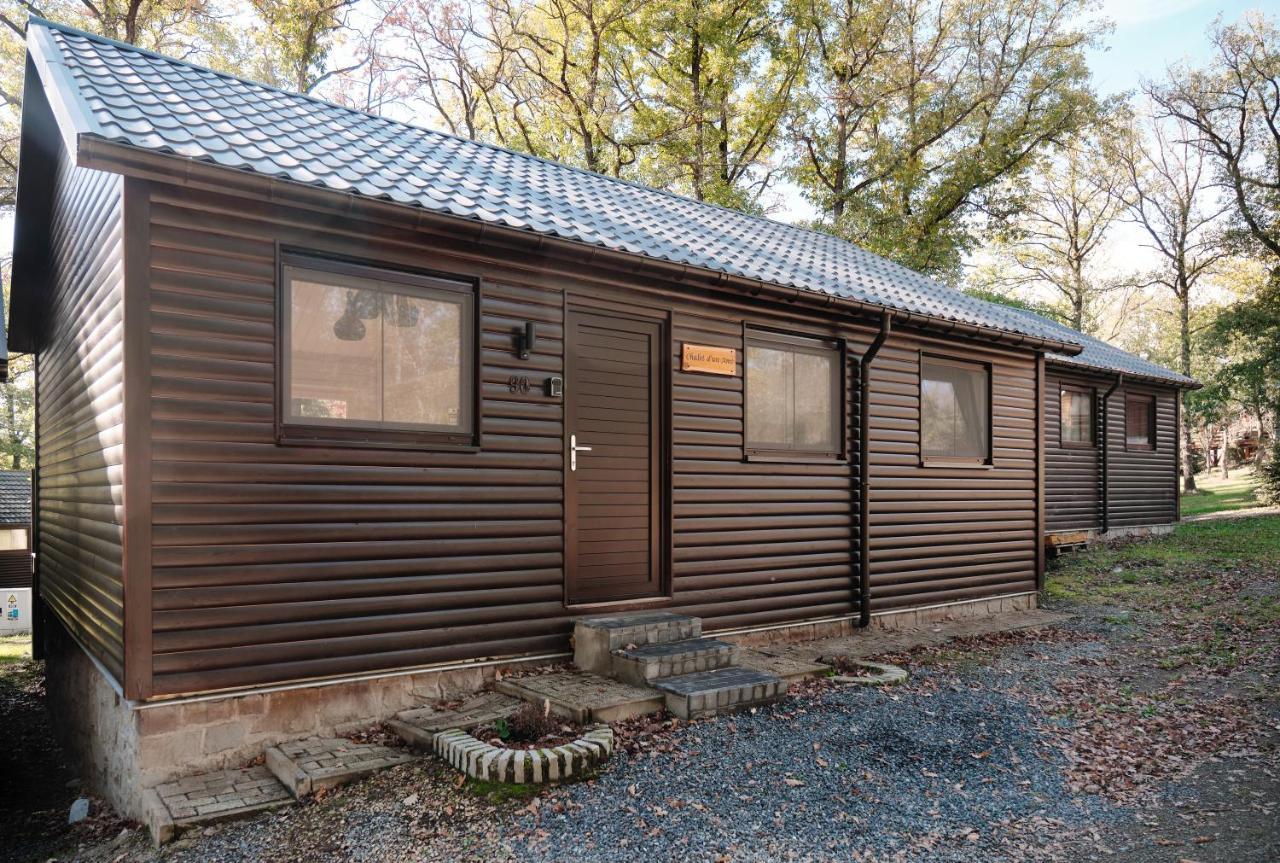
<point>905,618</point>
<point>124,748</point>
<point>1066,539</point>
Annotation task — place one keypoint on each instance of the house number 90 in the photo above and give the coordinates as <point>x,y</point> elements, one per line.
<point>518,384</point>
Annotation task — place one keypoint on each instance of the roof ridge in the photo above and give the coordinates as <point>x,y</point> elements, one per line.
<point>107,40</point>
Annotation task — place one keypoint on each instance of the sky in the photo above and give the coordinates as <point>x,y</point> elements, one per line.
<point>1151,35</point>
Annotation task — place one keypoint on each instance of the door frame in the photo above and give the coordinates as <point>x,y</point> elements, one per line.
<point>593,304</point>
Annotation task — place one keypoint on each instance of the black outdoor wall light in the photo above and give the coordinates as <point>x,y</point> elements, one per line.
<point>526,340</point>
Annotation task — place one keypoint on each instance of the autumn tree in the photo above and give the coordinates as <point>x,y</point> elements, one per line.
<point>1170,200</point>
<point>917,109</point>
<point>294,44</point>
<point>720,78</point>
<point>195,30</point>
<point>1056,239</point>
<point>453,59</point>
<point>1231,111</point>
<point>567,98</point>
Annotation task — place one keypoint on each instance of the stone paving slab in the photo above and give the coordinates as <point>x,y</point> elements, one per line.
<point>485,709</point>
<point>419,727</point>
<point>706,693</point>
<point>584,697</point>
<point>788,667</point>
<point>877,642</point>
<point>206,798</point>
<point>317,763</point>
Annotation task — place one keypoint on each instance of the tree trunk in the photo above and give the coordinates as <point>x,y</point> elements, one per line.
<point>1184,315</point>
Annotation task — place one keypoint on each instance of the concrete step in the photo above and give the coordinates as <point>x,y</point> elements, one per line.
<point>195,802</point>
<point>706,693</point>
<point>596,638</point>
<point>643,664</point>
<point>318,763</point>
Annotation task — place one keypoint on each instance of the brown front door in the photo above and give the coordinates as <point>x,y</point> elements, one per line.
<point>614,457</point>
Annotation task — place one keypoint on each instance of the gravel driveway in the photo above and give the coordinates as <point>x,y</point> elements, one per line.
<point>944,769</point>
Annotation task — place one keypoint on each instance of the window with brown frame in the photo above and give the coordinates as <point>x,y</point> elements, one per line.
<point>1140,422</point>
<point>793,389</point>
<point>1076,420</point>
<point>375,356</point>
<point>955,411</point>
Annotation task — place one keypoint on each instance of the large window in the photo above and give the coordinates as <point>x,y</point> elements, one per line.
<point>793,396</point>
<point>375,355</point>
<point>1076,423</point>
<point>1140,422</point>
<point>955,411</point>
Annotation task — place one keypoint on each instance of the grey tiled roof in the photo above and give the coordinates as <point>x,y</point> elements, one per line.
<point>15,497</point>
<point>1106,357</point>
<point>122,94</point>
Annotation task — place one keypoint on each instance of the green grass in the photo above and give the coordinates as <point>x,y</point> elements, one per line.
<point>14,648</point>
<point>501,792</point>
<point>1166,561</point>
<point>1209,586</point>
<point>1215,494</point>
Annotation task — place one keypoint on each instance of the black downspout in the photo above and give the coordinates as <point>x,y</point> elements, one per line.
<point>864,469</point>
<point>1105,467</point>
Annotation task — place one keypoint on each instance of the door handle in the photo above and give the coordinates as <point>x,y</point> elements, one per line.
<point>574,449</point>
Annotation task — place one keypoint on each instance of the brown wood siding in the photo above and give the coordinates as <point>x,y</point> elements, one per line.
<point>80,397</point>
<point>276,563</point>
<point>942,534</point>
<point>1142,482</point>
<point>756,542</point>
<point>1073,478</point>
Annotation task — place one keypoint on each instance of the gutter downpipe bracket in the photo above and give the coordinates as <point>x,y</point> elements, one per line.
<point>864,468</point>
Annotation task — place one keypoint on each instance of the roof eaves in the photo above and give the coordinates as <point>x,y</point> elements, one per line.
<point>102,153</point>
<point>1173,379</point>
<point>70,110</point>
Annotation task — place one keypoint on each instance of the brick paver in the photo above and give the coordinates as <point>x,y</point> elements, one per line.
<point>206,798</point>
<point>585,697</point>
<point>317,763</point>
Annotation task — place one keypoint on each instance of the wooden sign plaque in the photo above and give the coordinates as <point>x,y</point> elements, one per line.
<point>708,359</point>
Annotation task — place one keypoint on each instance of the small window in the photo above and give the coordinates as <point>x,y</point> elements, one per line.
<point>1077,417</point>
<point>955,414</point>
<point>1140,422</point>
<point>374,355</point>
<point>793,396</point>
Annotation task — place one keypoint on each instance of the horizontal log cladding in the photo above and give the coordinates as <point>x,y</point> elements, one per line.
<point>273,563</point>
<point>79,397</point>
<point>1142,482</point>
<point>1072,473</point>
<point>943,534</point>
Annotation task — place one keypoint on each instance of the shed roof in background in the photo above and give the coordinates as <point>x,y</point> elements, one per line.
<point>1106,357</point>
<point>15,497</point>
<point>114,92</point>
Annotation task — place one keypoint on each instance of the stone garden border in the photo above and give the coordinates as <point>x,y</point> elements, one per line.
<point>886,674</point>
<point>481,760</point>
